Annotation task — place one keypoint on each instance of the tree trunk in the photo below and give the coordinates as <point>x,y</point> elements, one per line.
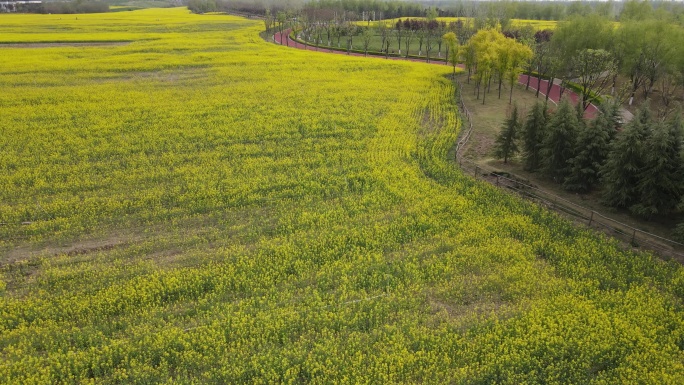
<point>427,49</point>
<point>539,82</point>
<point>484,94</point>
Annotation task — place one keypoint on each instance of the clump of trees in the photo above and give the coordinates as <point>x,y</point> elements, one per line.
<point>642,56</point>
<point>71,7</point>
<point>494,58</point>
<point>638,166</point>
<point>241,7</point>
<point>202,6</point>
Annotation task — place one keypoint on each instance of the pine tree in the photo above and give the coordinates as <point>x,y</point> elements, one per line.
<point>660,180</point>
<point>579,110</point>
<point>593,146</point>
<point>533,136</point>
<point>625,162</point>
<point>559,143</point>
<point>506,145</point>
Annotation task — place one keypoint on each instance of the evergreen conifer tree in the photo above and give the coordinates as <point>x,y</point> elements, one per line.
<point>506,145</point>
<point>626,161</point>
<point>593,145</point>
<point>661,179</point>
<point>559,144</point>
<point>533,136</point>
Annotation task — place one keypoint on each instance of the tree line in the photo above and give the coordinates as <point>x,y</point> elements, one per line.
<point>64,7</point>
<point>589,53</point>
<point>501,10</point>
<point>637,166</point>
<point>598,59</point>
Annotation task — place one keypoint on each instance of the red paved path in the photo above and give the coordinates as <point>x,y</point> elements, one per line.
<point>554,94</point>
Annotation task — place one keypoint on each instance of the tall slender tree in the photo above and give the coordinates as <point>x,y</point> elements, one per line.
<point>661,180</point>
<point>559,144</point>
<point>398,33</point>
<point>451,50</point>
<point>533,134</point>
<point>592,148</point>
<point>506,142</point>
<point>626,159</point>
<point>520,55</point>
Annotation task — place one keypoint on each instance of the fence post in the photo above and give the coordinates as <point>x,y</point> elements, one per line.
<point>633,236</point>
<point>591,217</point>
<point>497,180</point>
<point>477,170</point>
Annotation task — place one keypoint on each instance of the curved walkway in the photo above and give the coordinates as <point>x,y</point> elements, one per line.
<point>554,94</point>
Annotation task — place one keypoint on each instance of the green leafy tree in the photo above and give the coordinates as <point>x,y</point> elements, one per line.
<point>383,32</point>
<point>430,27</point>
<point>506,142</point>
<point>593,71</point>
<point>648,48</point>
<point>281,17</point>
<point>268,20</point>
<point>367,36</point>
<point>350,30</point>
<point>636,10</point>
<point>503,59</point>
<point>451,50</point>
<point>533,136</point>
<point>576,35</point>
<point>559,143</point>
<point>409,34</point>
<point>485,44</point>
<point>519,55</point>
<point>398,33</point>
<point>421,34</point>
<point>469,58</point>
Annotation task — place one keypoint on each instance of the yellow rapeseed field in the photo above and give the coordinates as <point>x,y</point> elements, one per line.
<point>183,202</point>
